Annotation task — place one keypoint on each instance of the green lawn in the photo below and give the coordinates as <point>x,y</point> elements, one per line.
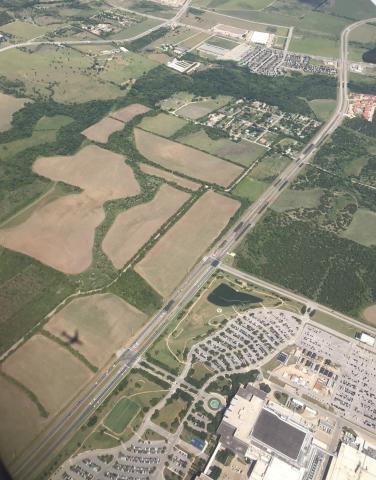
<point>335,324</point>
<point>162,124</point>
<point>306,42</point>
<point>250,188</point>
<point>362,228</point>
<point>244,153</point>
<point>270,167</point>
<point>121,415</point>
<point>291,199</point>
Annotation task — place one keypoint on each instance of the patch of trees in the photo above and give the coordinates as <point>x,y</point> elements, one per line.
<point>5,18</point>
<point>370,56</point>
<point>147,39</point>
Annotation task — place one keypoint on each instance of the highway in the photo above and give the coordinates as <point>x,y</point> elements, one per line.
<point>62,428</point>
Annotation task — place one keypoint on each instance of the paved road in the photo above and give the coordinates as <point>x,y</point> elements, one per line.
<point>42,450</point>
<point>298,298</point>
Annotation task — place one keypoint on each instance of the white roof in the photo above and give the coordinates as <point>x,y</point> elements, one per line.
<point>350,464</point>
<point>242,414</point>
<point>279,469</point>
<point>260,37</point>
<point>365,338</point>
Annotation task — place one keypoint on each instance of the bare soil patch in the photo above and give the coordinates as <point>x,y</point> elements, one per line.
<point>128,113</point>
<point>59,234</point>
<point>8,106</point>
<point>104,175</point>
<point>370,314</point>
<point>170,177</point>
<point>49,370</point>
<point>20,420</point>
<point>167,263</point>
<point>134,227</point>
<point>105,323</point>
<point>185,160</point>
<point>101,131</point>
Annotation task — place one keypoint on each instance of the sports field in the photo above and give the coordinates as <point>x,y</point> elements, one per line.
<point>8,106</point>
<point>105,323</point>
<point>20,420</point>
<point>162,124</point>
<point>101,131</point>
<point>170,177</point>
<point>244,153</point>
<point>185,160</point>
<point>129,112</point>
<point>121,415</point>
<point>61,233</point>
<point>168,262</point>
<point>47,369</point>
<point>134,227</point>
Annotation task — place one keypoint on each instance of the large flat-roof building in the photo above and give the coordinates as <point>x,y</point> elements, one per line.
<point>230,31</point>
<point>261,38</point>
<point>352,463</point>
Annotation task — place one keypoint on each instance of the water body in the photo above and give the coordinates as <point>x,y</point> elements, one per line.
<point>225,296</point>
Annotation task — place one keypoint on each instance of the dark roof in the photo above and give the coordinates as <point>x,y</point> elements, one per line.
<point>227,439</point>
<point>277,434</point>
<point>249,391</point>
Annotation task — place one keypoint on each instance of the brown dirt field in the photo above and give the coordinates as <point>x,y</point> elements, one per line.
<point>59,234</point>
<point>168,262</point>
<point>105,324</point>
<point>101,131</point>
<point>133,228</point>
<point>102,174</point>
<point>128,113</point>
<point>20,420</point>
<point>8,106</point>
<point>49,370</point>
<point>370,314</point>
<point>185,160</point>
<point>170,177</point>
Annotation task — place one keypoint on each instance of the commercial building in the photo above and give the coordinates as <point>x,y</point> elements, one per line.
<point>230,31</point>
<point>183,66</point>
<point>352,463</point>
<point>261,38</point>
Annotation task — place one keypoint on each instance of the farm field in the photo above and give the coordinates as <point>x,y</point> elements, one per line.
<point>162,124</point>
<point>128,113</point>
<point>167,263</point>
<point>199,108</point>
<point>170,177</point>
<point>61,233</point>
<point>185,160</point>
<point>8,106</point>
<point>47,369</point>
<point>133,228</point>
<point>234,4</point>
<point>45,131</point>
<point>250,188</point>
<point>20,420</point>
<point>242,152</point>
<point>311,44</point>
<point>25,30</point>
<point>121,415</point>
<point>73,78</point>
<point>269,167</point>
<point>105,323</point>
<point>291,199</point>
<point>101,131</point>
<point>362,229</point>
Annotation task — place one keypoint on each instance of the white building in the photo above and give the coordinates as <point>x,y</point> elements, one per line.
<point>261,38</point>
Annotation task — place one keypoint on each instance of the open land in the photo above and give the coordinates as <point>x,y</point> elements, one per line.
<point>61,233</point>
<point>133,228</point>
<point>250,188</point>
<point>185,159</point>
<point>170,177</point>
<point>166,264</point>
<point>291,199</point>
<point>370,314</point>
<point>101,131</point>
<point>162,124</point>
<point>105,323</point>
<point>8,106</point>
<point>198,109</point>
<point>121,415</point>
<point>362,228</point>
<point>20,420</point>
<point>52,373</point>
<point>129,112</point>
<point>241,152</point>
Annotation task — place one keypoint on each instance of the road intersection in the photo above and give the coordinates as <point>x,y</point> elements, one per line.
<point>61,429</point>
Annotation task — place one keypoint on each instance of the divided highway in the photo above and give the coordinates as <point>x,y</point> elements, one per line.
<point>61,429</point>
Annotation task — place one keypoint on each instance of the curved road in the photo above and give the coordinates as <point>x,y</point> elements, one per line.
<point>61,429</point>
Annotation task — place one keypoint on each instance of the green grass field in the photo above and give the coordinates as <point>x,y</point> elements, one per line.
<point>305,42</point>
<point>270,167</point>
<point>162,124</point>
<point>291,199</point>
<point>335,324</point>
<point>243,153</point>
<point>322,108</point>
<point>250,188</point>
<point>121,415</point>
<point>362,228</point>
